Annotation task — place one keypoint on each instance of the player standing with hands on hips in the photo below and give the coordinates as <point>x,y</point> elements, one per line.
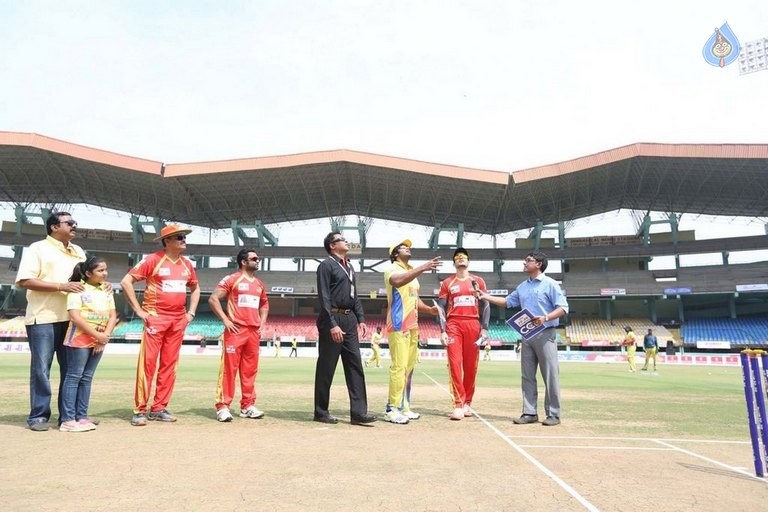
<point>466,324</point>
<point>245,318</point>
<point>543,298</point>
<point>165,315</point>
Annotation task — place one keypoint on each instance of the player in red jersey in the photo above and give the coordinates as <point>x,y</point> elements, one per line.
<point>466,324</point>
<point>246,315</point>
<point>164,311</point>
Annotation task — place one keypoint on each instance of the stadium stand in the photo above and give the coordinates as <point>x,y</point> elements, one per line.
<point>13,328</point>
<point>670,181</point>
<point>737,331</point>
<point>503,333</point>
<point>599,331</point>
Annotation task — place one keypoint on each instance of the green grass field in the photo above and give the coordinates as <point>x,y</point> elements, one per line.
<point>604,399</point>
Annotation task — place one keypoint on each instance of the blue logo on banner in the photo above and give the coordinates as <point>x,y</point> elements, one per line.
<point>677,291</point>
<point>722,48</point>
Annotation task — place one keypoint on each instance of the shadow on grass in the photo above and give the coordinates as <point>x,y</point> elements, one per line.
<point>14,420</point>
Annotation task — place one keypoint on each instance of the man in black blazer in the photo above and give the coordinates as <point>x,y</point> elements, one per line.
<point>341,314</point>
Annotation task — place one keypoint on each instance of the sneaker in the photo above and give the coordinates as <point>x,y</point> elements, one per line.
<point>457,414</point>
<point>88,419</point>
<point>467,411</point>
<point>139,420</point>
<point>39,426</point>
<point>163,415</point>
<point>411,415</point>
<point>251,412</point>
<point>395,416</point>
<point>76,426</point>
<point>223,415</point>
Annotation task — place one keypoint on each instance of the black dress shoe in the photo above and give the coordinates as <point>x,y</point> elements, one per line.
<point>363,420</point>
<point>525,419</point>
<point>326,419</point>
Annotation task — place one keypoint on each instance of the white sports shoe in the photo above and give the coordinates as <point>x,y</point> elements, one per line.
<point>412,415</point>
<point>223,415</point>
<point>457,414</point>
<point>395,416</point>
<point>251,412</point>
<point>467,411</point>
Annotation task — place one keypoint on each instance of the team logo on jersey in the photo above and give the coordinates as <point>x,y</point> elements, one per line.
<point>164,271</point>
<point>464,300</point>
<point>243,287</point>
<point>86,298</point>
<point>455,289</point>
<point>248,301</point>
<point>174,286</point>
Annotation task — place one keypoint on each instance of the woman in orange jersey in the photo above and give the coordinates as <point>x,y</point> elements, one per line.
<point>92,312</point>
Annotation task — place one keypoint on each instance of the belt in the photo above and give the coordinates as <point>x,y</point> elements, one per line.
<point>341,310</point>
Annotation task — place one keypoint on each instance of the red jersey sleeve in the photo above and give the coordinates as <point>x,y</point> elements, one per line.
<point>444,289</point>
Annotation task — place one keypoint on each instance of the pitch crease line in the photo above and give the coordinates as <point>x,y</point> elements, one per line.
<point>712,461</point>
<point>567,488</point>
<point>575,447</point>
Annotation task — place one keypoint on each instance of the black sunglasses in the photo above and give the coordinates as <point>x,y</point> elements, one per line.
<point>338,240</point>
<point>70,223</point>
<point>254,259</point>
<point>180,237</point>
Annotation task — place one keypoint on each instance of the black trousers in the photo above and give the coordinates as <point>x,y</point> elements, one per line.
<point>328,359</point>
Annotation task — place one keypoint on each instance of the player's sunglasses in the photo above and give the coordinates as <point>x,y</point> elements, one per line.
<point>70,223</point>
<point>180,237</point>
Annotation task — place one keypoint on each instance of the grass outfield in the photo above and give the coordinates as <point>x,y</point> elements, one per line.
<point>604,399</point>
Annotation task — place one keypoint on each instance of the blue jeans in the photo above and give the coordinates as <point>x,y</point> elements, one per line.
<point>81,365</point>
<point>44,341</point>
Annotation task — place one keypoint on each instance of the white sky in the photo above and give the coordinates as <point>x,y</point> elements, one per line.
<point>502,85</point>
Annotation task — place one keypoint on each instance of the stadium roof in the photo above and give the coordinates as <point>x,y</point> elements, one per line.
<point>715,179</point>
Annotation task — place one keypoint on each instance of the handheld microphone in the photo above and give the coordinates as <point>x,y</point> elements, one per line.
<point>482,340</point>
